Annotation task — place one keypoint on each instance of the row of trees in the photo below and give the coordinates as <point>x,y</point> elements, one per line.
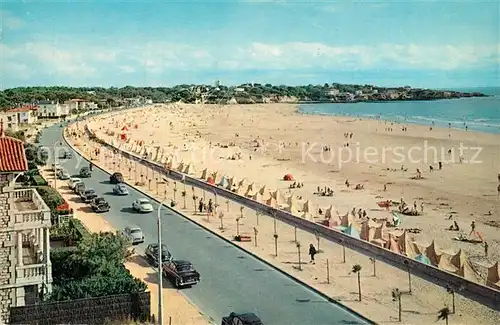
<point>114,96</point>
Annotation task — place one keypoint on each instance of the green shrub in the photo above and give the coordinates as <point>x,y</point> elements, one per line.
<point>38,180</point>
<point>50,196</point>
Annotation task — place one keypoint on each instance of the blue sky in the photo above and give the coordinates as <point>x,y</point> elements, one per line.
<point>158,43</point>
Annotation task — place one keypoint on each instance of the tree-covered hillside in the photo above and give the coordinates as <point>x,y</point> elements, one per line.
<point>245,94</point>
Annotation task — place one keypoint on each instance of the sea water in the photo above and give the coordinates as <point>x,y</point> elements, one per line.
<point>478,114</point>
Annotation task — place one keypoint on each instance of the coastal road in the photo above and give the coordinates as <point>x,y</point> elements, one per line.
<point>231,280</point>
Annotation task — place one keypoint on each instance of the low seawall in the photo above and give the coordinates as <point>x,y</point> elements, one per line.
<point>477,292</point>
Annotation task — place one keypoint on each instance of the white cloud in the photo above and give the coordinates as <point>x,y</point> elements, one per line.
<point>9,21</point>
<point>82,60</point>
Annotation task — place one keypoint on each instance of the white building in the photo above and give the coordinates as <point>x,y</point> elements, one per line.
<point>25,267</point>
<point>17,117</point>
<point>51,109</point>
<point>333,92</point>
<point>80,105</point>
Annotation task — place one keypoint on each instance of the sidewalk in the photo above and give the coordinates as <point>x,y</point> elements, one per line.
<point>418,308</point>
<point>178,309</point>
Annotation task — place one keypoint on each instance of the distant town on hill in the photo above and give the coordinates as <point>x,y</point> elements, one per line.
<point>248,93</point>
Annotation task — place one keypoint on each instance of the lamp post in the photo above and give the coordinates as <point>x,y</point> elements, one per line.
<point>160,267</point>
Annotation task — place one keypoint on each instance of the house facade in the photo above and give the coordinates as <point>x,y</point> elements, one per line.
<point>79,105</point>
<point>25,267</point>
<point>17,117</point>
<point>52,109</point>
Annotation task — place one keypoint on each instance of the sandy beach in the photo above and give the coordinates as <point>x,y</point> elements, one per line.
<point>262,143</point>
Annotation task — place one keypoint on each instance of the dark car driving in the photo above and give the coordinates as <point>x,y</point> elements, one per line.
<point>99,204</point>
<point>241,319</point>
<point>116,178</point>
<point>180,273</point>
<point>85,172</point>
<point>152,254</point>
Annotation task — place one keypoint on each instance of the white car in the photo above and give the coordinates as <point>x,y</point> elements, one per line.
<point>72,181</point>
<point>142,205</point>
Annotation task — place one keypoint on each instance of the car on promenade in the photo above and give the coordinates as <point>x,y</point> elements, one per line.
<point>88,195</point>
<point>100,205</point>
<point>62,174</point>
<point>79,188</point>
<point>120,189</point>
<point>72,181</point>
<point>180,273</point>
<point>116,178</point>
<point>151,253</point>
<point>142,205</point>
<point>241,319</point>
<point>133,234</point>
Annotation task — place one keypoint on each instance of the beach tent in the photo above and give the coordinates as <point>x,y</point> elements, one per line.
<point>272,202</point>
<point>250,190</point>
<point>329,212</point>
<point>280,198</point>
<point>143,151</point>
<point>352,231</point>
<point>411,248</point>
<point>223,182</point>
<point>210,180</point>
<point>190,170</point>
<point>258,197</point>
<point>164,158</point>
<point>288,177</point>
<point>430,252</point>
<point>232,182</point>
<point>181,167</point>
<point>393,245</point>
<point>239,190</point>
<point>365,231</point>
<point>345,220</point>
<point>308,207</point>
<point>216,176</point>
<point>204,174</point>
<point>123,137</point>
<point>307,216</point>
<point>124,128</point>
<point>263,190</point>
<point>423,259</point>
<point>493,278</point>
<point>242,183</point>
<point>292,205</point>
<point>133,147</point>
<point>467,272</point>
<point>445,262</point>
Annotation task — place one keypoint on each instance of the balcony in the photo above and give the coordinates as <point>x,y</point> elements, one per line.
<point>27,210</point>
<point>31,274</point>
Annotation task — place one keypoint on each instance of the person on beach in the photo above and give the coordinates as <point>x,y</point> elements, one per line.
<point>486,249</point>
<point>200,205</point>
<point>91,166</point>
<point>312,252</point>
<point>498,189</point>
<point>210,208</point>
<point>472,228</point>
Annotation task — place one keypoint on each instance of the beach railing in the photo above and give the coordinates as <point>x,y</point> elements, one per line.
<point>484,295</point>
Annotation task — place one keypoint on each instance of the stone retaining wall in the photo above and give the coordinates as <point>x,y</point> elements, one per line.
<point>480,293</point>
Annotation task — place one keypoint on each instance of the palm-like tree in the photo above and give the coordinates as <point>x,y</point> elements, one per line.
<point>357,270</point>
<point>194,202</point>
<point>227,205</point>
<point>238,226</point>
<point>450,290</point>
<point>221,217</point>
<point>396,295</point>
<point>443,314</point>
<point>184,194</point>
<point>298,252</point>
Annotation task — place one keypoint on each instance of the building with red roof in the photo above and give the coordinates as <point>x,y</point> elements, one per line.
<point>12,155</point>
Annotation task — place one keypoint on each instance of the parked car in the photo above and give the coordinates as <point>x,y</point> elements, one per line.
<point>116,178</point>
<point>152,254</point>
<point>66,155</point>
<point>62,174</point>
<point>142,205</point>
<point>241,319</point>
<point>120,189</point>
<point>100,205</point>
<point>88,195</point>
<point>56,167</point>
<point>85,172</point>
<point>72,181</point>
<point>134,234</point>
<point>180,273</point>
<point>79,188</point>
